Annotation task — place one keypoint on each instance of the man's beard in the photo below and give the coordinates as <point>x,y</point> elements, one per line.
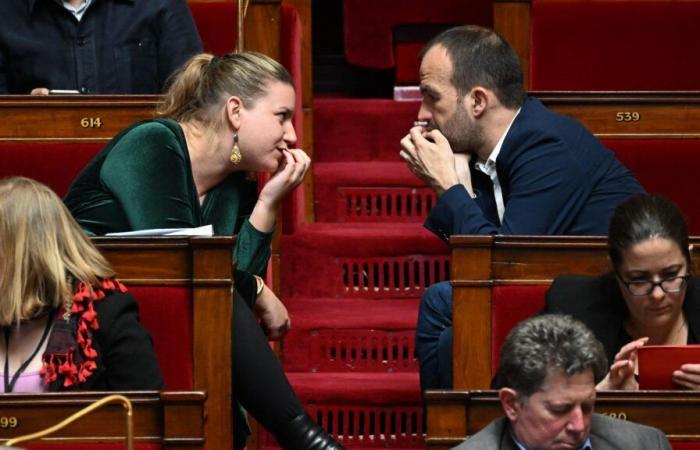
<point>463,134</point>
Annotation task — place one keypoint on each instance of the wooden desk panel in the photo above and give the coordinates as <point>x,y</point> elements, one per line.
<point>204,264</point>
<point>74,118</point>
<point>454,415</point>
<point>639,115</point>
<point>481,262</point>
<point>175,419</point>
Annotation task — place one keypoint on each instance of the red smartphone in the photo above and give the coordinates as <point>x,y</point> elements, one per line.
<point>658,362</point>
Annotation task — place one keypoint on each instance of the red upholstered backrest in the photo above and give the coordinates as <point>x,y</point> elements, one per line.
<point>614,45</point>
<point>685,445</point>
<point>166,312</point>
<point>217,25</point>
<point>510,305</point>
<point>369,24</point>
<point>665,166</point>
<point>55,165</point>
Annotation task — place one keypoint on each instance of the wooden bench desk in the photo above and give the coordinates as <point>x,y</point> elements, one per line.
<point>630,115</point>
<point>173,419</point>
<point>70,118</point>
<point>455,415</point>
<point>204,265</point>
<point>482,263</point>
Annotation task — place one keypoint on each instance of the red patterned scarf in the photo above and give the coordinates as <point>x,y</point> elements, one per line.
<point>69,352</point>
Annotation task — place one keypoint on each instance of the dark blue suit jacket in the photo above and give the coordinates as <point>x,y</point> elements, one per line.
<point>556,178</point>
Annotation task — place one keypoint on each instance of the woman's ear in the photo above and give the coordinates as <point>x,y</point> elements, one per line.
<point>234,106</point>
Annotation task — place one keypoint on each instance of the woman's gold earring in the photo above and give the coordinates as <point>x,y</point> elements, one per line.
<point>236,156</point>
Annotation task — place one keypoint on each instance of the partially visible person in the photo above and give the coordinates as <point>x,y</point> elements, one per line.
<point>549,367</point>
<point>649,297</point>
<point>500,163</point>
<point>67,323</point>
<point>93,46</point>
<point>222,117</point>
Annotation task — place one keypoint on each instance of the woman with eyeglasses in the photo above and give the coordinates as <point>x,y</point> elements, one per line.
<point>650,296</point>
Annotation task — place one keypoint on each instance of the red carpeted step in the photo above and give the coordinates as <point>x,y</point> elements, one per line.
<point>359,261</point>
<point>360,129</point>
<point>363,410</point>
<point>350,335</point>
<point>370,192</point>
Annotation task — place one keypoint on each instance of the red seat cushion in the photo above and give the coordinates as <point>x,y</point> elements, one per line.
<point>614,45</point>
<point>55,165</point>
<point>166,312</point>
<point>510,305</point>
<point>217,25</point>
<point>369,24</point>
<point>667,167</point>
<point>685,445</point>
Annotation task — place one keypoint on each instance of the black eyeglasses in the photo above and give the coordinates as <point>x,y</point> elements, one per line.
<point>645,287</point>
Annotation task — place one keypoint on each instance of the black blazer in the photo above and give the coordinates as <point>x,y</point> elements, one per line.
<point>597,302</point>
<point>125,356</point>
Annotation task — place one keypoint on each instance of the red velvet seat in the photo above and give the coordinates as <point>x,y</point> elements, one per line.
<point>166,312</point>
<point>510,305</point>
<point>55,164</point>
<point>667,167</point>
<point>217,25</point>
<point>607,45</point>
<point>369,27</point>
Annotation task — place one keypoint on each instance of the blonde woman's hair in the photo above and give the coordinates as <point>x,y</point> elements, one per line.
<point>198,88</point>
<point>41,249</point>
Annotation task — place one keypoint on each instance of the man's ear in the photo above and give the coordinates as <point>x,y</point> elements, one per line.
<point>477,101</point>
<point>510,402</point>
<point>234,105</point>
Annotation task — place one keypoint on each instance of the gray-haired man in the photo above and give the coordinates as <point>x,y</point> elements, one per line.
<point>549,368</point>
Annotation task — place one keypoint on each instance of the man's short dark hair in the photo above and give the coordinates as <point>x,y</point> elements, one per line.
<point>545,344</point>
<point>481,57</point>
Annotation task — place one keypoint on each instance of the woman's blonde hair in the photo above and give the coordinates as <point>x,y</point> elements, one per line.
<point>41,249</point>
<point>199,87</point>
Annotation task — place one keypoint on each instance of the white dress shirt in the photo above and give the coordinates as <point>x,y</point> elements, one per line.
<point>489,168</point>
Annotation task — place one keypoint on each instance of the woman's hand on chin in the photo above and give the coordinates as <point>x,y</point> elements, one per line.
<point>290,173</point>
<point>688,376</point>
<point>621,374</point>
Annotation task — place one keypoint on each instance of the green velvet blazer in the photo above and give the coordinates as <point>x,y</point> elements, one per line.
<point>143,179</point>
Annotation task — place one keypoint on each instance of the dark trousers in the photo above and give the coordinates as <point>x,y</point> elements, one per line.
<point>434,337</point>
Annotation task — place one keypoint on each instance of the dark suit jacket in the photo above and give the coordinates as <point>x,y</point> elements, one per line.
<point>597,302</point>
<point>118,47</point>
<point>556,178</point>
<point>606,434</point>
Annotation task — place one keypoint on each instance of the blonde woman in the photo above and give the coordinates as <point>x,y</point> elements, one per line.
<point>67,323</point>
<point>222,117</point>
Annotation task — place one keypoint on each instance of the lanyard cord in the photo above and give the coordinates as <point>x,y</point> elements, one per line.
<point>10,384</point>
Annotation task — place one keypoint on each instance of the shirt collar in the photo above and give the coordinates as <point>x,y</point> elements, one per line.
<point>31,3</point>
<point>586,445</point>
<point>77,12</point>
<point>494,154</point>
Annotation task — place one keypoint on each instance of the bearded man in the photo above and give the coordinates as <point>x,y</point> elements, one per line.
<point>500,163</point>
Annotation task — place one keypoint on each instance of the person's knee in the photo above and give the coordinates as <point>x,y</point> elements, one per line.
<point>434,316</point>
<point>437,301</point>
